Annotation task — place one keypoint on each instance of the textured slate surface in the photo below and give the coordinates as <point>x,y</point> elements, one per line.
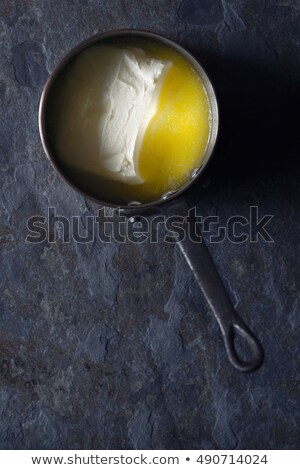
<point>112,346</point>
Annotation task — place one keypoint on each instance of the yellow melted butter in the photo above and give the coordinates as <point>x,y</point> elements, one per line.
<point>174,143</point>
<point>177,136</point>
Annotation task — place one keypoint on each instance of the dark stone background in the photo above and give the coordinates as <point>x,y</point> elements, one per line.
<point>112,346</point>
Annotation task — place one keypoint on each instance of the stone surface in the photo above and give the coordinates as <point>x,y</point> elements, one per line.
<point>112,345</point>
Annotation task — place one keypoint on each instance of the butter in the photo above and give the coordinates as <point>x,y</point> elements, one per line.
<point>129,120</point>
<point>131,101</point>
<point>115,108</point>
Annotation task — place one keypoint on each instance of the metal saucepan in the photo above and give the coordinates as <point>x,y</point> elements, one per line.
<point>172,203</point>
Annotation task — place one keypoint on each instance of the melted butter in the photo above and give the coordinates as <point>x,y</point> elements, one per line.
<point>177,136</point>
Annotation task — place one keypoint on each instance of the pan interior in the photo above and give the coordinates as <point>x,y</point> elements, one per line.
<point>96,186</point>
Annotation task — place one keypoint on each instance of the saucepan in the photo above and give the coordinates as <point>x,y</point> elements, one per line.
<point>171,204</point>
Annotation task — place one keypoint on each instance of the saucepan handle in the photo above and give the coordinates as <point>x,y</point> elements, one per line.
<point>206,274</point>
